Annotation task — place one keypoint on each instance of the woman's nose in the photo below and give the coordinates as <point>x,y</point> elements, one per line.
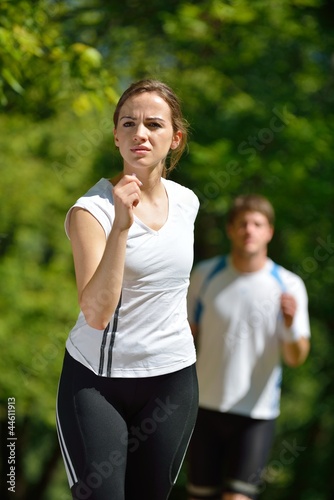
<point>140,133</point>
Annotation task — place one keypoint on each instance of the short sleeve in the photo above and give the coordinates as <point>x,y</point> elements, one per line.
<point>98,201</point>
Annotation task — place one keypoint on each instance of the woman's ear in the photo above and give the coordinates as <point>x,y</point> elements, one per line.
<point>177,137</point>
<point>115,137</point>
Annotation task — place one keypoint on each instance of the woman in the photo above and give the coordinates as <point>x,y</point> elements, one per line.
<point>128,395</point>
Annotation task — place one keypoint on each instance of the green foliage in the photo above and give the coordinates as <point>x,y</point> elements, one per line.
<point>255,79</point>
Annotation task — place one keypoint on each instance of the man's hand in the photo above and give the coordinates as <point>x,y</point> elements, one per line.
<point>288,307</point>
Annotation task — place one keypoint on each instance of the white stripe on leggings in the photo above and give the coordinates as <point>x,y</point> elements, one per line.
<point>71,475</point>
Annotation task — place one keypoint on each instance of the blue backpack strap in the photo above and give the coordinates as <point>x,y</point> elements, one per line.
<point>199,305</point>
<point>276,274</point>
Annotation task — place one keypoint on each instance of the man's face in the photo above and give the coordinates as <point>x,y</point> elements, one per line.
<point>250,233</point>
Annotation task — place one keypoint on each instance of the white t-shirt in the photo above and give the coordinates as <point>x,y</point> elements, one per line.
<point>149,335</point>
<point>240,329</point>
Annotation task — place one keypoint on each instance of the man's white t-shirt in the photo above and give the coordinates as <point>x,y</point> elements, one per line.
<point>240,332</point>
<point>149,333</point>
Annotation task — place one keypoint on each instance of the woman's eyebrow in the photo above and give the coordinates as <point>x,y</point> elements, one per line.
<point>128,117</point>
<point>155,118</point>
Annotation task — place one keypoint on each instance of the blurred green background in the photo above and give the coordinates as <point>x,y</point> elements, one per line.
<point>256,83</point>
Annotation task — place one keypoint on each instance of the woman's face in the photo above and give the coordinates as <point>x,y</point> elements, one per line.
<point>144,133</point>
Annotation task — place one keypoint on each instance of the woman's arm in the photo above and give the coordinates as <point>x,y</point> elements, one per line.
<point>99,263</point>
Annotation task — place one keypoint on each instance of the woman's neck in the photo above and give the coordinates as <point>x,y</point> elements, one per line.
<point>152,186</point>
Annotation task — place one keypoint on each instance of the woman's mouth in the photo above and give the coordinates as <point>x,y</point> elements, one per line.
<point>140,150</point>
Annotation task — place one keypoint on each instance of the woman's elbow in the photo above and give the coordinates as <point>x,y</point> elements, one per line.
<point>96,317</point>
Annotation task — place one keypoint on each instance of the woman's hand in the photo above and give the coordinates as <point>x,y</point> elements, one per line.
<point>126,196</point>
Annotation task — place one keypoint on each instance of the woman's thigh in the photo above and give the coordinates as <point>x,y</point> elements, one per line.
<point>117,432</point>
<point>159,436</point>
<point>92,435</point>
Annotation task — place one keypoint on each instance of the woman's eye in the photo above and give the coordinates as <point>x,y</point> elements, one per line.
<point>155,125</point>
<point>128,124</point>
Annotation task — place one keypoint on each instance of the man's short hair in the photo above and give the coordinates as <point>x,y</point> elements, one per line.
<point>251,203</point>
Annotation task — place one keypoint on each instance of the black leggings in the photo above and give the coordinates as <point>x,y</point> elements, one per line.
<point>228,453</point>
<point>124,438</point>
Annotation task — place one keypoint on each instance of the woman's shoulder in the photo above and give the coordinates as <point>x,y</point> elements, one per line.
<point>101,190</point>
<point>182,192</point>
<point>98,200</point>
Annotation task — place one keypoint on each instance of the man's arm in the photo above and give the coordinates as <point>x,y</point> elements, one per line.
<point>194,329</point>
<point>294,350</point>
<point>295,353</point>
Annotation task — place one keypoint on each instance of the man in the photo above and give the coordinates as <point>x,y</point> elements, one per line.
<point>246,313</point>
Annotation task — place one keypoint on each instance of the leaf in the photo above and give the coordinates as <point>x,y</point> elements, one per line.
<point>7,75</point>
